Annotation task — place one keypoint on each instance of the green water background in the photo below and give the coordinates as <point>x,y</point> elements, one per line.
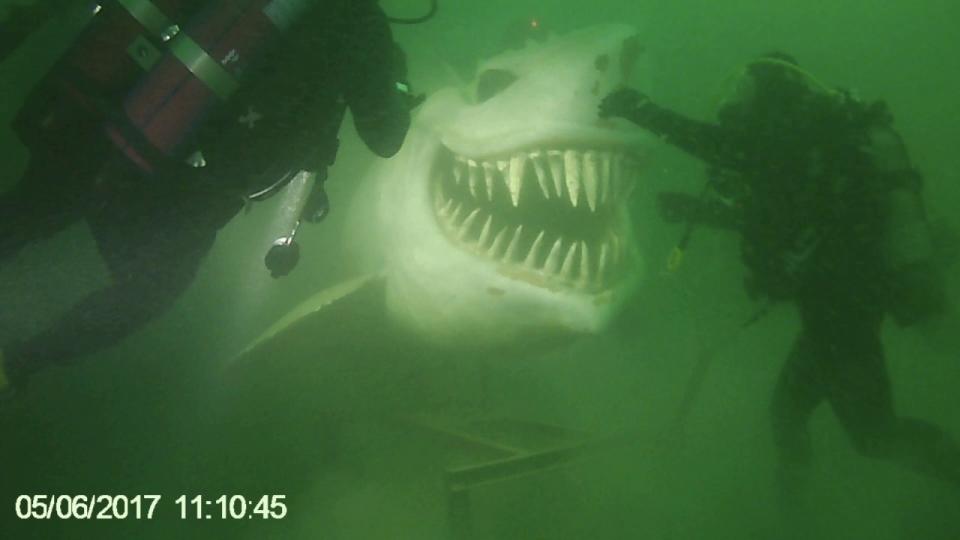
<point>134,419</point>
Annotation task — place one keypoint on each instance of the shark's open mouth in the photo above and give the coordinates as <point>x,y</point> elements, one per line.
<point>553,217</point>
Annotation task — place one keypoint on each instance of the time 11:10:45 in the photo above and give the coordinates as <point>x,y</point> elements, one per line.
<point>232,507</point>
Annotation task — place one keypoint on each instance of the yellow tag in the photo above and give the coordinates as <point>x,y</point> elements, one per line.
<point>675,259</point>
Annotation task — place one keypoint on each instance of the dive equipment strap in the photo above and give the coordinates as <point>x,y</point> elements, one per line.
<point>203,67</point>
<point>181,46</point>
<point>149,15</point>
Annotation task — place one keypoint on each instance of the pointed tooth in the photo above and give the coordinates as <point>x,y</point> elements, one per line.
<point>445,211</point>
<point>501,237</point>
<point>467,224</point>
<point>490,177</point>
<point>572,163</point>
<point>514,244</point>
<point>553,258</point>
<point>628,181</point>
<point>473,168</point>
<point>456,214</point>
<point>604,262</point>
<point>566,270</point>
<point>485,232</point>
<point>538,167</point>
<point>518,166</point>
<point>591,179</point>
<point>475,183</point>
<point>459,168</point>
<point>531,260</point>
<point>606,169</point>
<point>584,263</point>
<point>555,160</point>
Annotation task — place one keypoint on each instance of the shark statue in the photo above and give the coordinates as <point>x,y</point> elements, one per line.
<point>502,225</point>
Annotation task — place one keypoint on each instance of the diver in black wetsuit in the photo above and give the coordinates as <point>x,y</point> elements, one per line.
<point>152,231</point>
<point>828,207</point>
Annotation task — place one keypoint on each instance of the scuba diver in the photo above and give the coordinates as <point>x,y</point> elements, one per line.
<point>164,118</point>
<point>828,207</point>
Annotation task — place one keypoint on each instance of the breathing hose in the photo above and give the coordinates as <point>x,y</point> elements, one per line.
<point>434,7</point>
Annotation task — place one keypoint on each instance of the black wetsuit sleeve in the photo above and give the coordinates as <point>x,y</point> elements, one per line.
<point>708,142</point>
<point>381,111</point>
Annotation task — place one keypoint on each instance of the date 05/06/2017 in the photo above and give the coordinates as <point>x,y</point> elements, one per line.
<point>122,507</point>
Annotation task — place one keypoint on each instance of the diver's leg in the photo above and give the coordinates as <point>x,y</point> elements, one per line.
<point>152,242</point>
<point>52,194</point>
<point>859,391</point>
<point>796,395</point>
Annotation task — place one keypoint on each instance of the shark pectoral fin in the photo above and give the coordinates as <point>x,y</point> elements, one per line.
<point>324,315</point>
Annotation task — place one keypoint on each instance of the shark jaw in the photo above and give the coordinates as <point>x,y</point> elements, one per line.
<point>504,221</point>
<point>554,218</point>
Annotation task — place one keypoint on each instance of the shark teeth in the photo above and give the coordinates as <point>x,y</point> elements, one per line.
<point>490,176</point>
<point>534,254</point>
<point>571,161</point>
<point>497,247</point>
<point>566,270</point>
<point>553,258</point>
<point>492,207</point>
<point>474,182</point>
<point>539,167</point>
<point>467,224</point>
<point>578,264</point>
<point>485,232</point>
<point>514,246</point>
<point>518,164</point>
<point>590,179</point>
<point>555,160</point>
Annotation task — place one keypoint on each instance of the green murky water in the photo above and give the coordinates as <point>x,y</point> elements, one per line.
<point>154,415</point>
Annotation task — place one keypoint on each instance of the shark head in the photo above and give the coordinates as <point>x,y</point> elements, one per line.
<point>504,218</point>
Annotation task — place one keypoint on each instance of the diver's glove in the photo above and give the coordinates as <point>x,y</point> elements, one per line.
<point>622,103</point>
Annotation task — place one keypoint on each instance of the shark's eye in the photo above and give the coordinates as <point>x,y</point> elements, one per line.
<point>492,82</point>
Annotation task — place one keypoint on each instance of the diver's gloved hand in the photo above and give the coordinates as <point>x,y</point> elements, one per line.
<point>622,102</point>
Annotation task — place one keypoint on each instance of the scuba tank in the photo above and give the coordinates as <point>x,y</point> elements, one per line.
<point>90,78</point>
<point>191,71</point>
<point>152,81</point>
